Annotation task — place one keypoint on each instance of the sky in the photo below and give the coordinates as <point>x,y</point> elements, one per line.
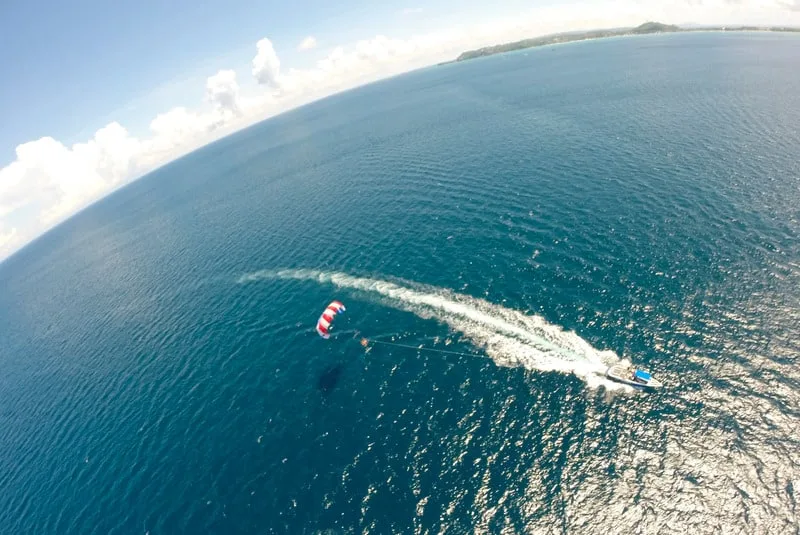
<point>95,94</point>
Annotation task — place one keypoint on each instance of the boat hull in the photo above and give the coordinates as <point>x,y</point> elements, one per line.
<point>624,374</point>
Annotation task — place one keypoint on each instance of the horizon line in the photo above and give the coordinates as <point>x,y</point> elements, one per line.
<point>226,135</point>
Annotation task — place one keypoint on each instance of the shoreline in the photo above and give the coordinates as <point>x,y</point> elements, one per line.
<point>650,28</point>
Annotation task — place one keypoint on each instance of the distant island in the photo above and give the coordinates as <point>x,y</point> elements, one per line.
<point>646,28</point>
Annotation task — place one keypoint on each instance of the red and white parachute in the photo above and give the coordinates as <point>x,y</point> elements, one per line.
<point>325,320</point>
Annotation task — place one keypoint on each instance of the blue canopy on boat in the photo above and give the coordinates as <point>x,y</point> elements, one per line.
<point>644,376</point>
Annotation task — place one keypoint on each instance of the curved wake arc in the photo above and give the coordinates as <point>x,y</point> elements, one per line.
<point>509,337</point>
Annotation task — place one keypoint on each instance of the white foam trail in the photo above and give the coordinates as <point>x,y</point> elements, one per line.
<point>508,337</point>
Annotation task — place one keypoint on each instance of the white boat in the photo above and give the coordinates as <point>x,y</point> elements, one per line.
<point>631,376</point>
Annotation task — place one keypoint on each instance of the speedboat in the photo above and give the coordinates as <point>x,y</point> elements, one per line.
<point>631,376</point>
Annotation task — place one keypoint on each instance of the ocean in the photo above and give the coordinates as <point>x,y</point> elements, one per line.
<point>534,216</point>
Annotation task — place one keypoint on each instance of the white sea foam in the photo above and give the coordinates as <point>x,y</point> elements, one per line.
<point>509,337</point>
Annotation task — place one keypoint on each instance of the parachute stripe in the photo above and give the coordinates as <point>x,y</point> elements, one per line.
<point>326,319</point>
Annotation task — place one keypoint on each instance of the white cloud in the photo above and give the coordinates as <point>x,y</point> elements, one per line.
<point>9,239</point>
<point>223,91</point>
<point>266,65</point>
<point>367,60</point>
<point>55,181</point>
<point>48,181</point>
<point>175,129</point>
<point>13,193</point>
<point>308,43</point>
<point>411,11</point>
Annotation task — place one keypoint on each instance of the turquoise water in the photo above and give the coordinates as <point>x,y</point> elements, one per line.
<point>544,213</point>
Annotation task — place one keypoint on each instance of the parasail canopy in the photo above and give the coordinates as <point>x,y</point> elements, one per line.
<point>326,319</point>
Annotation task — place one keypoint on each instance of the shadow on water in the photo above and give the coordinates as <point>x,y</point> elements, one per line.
<point>330,378</point>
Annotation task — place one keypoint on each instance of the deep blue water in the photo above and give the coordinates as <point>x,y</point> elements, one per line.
<point>544,213</point>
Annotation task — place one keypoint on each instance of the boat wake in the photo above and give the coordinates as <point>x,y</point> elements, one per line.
<point>509,337</point>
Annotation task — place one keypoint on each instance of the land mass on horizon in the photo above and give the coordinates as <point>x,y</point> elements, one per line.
<point>646,28</point>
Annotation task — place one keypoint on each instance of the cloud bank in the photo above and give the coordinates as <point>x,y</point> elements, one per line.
<point>48,181</point>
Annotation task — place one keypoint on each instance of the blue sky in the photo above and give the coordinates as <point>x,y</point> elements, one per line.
<point>74,63</point>
<point>96,93</point>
